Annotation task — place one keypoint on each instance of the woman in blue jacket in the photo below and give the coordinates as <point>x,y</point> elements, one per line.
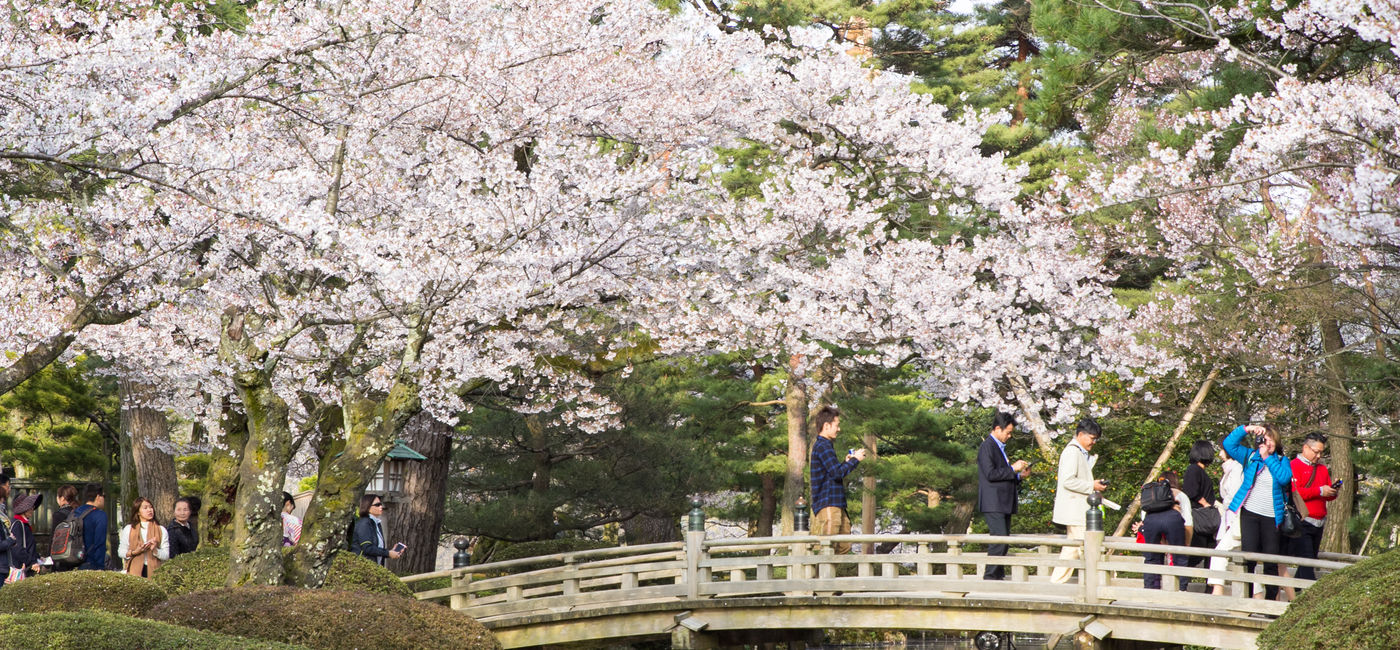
<point>1259,502</point>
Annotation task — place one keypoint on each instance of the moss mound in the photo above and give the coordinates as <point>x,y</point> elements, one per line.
<point>93,630</point>
<point>326,619</point>
<point>1357,607</point>
<point>207,569</point>
<point>72,591</point>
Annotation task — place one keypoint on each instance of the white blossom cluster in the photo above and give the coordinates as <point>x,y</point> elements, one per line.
<point>510,183</point>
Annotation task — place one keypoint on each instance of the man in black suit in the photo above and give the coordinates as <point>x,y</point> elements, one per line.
<point>998,480</point>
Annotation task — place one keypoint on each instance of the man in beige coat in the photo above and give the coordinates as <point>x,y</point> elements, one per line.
<point>1072,488</point>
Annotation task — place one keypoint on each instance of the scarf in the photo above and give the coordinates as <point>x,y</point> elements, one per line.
<point>148,558</point>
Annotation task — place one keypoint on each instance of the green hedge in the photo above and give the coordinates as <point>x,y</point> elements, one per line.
<point>71,591</point>
<point>1357,607</point>
<point>93,630</point>
<point>207,568</point>
<point>325,619</point>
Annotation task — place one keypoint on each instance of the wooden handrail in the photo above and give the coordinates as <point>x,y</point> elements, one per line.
<point>749,567</point>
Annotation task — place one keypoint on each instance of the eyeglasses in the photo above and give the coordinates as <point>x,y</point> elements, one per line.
<point>376,505</point>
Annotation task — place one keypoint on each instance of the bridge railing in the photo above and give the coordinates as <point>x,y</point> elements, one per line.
<point>1108,571</point>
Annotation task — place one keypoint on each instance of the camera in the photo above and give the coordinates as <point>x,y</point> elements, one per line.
<point>1104,481</point>
<point>1337,484</point>
<point>1259,439</point>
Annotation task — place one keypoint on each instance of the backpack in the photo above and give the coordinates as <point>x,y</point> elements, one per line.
<point>1157,496</point>
<point>66,547</point>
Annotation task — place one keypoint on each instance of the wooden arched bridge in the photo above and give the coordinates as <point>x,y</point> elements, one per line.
<point>708,592</point>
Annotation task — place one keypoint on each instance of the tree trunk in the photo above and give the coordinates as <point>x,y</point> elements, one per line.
<point>794,480</point>
<point>867,497</point>
<point>370,428</point>
<point>417,521</point>
<point>1030,412</point>
<point>255,550</point>
<point>1339,441</point>
<point>1023,51</point>
<point>150,442</point>
<point>960,520</point>
<point>126,482</point>
<point>767,505</point>
<point>256,547</point>
<point>221,485</point>
<point>541,509</point>
<point>1131,511</point>
<point>651,529</point>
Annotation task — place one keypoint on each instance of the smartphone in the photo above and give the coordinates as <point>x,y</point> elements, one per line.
<point>398,548</point>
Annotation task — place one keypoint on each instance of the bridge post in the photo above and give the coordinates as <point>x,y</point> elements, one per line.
<point>1093,550</point>
<point>694,548</point>
<point>460,581</point>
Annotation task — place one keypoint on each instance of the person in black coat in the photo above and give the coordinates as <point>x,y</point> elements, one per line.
<point>367,534</point>
<point>67,498</point>
<point>24,553</point>
<point>998,481</point>
<point>7,543</point>
<point>183,536</point>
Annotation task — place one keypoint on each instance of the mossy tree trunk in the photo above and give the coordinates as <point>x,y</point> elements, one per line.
<point>255,551</point>
<point>221,484</point>
<point>371,424</point>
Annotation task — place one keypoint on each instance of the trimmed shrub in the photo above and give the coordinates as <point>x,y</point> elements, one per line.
<point>352,572</point>
<point>207,568</point>
<point>93,630</point>
<point>304,617</point>
<point>1357,607</point>
<point>72,591</point>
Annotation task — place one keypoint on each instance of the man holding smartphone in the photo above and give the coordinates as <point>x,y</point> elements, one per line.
<point>1313,486</point>
<point>1073,485</point>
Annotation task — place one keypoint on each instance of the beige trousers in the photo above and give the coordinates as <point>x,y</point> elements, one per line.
<point>1061,574</point>
<point>832,521</point>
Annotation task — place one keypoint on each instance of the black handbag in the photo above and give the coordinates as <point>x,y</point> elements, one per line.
<point>1292,524</point>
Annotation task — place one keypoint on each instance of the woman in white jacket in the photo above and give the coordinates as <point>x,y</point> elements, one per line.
<point>143,543</point>
<point>1228,539</point>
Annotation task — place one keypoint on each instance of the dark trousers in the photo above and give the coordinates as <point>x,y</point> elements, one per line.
<point>1259,534</point>
<point>998,523</point>
<point>1165,527</point>
<point>1306,546</point>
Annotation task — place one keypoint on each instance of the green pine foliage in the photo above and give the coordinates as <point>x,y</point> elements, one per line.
<point>55,423</point>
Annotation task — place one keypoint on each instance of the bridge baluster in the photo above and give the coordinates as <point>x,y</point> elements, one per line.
<point>925,568</point>
<point>953,569</point>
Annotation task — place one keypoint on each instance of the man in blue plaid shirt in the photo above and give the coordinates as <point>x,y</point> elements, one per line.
<point>828,491</point>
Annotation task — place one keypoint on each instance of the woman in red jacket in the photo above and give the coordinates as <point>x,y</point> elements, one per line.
<point>1311,482</point>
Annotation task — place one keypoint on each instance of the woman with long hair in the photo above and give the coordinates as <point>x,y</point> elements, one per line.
<point>1259,503</point>
<point>143,543</point>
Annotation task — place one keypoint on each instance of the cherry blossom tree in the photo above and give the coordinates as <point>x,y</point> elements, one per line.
<point>348,213</point>
<point>1278,210</point>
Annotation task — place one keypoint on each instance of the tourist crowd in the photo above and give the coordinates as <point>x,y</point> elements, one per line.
<point>1263,503</point>
<point>79,538</point>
